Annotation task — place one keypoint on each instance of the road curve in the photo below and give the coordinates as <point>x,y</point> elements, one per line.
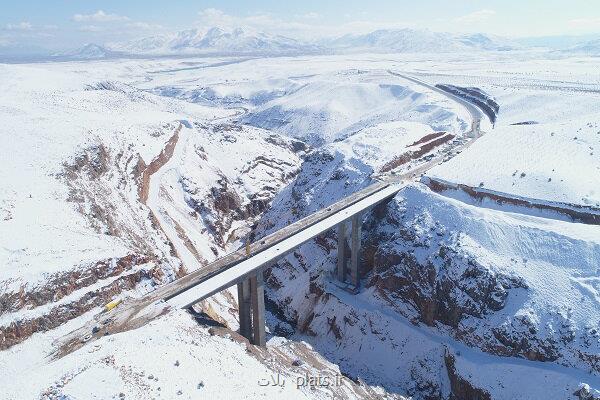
<point>476,114</point>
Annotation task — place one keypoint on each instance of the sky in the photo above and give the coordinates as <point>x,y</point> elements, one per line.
<point>64,24</point>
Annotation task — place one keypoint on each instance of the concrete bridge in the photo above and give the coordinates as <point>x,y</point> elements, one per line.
<point>247,271</point>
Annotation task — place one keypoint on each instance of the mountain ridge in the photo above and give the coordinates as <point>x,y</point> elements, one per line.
<point>237,41</point>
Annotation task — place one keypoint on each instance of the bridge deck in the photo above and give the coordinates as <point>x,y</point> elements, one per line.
<point>290,241</point>
<point>201,274</point>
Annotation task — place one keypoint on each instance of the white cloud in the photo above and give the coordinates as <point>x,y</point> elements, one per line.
<point>99,16</point>
<point>307,25</point>
<point>592,23</point>
<point>144,26</point>
<point>214,17</point>
<point>91,28</point>
<point>475,17</point>
<point>310,16</point>
<point>22,26</point>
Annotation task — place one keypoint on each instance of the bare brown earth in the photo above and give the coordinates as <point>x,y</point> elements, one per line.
<point>413,155</point>
<point>156,164</point>
<point>427,138</point>
<point>64,283</point>
<point>18,331</point>
<point>91,165</point>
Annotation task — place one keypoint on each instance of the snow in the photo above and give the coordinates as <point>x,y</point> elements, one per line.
<point>49,119</point>
<point>174,351</point>
<point>565,135</point>
<point>415,41</point>
<point>358,117</point>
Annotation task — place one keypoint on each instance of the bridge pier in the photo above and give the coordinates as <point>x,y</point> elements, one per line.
<point>244,308</point>
<point>354,251</point>
<point>355,255</point>
<point>257,292</point>
<point>251,304</point>
<point>341,260</point>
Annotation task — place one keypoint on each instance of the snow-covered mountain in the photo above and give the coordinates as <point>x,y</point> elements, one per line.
<point>411,40</point>
<point>215,40</point>
<point>246,41</point>
<point>90,51</point>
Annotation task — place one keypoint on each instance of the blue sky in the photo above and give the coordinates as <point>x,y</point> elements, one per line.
<point>68,23</point>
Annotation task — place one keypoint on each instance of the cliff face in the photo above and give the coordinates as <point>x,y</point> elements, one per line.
<point>466,279</point>
<point>481,278</point>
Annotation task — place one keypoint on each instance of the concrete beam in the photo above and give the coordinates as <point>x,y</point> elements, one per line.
<point>244,303</point>
<point>341,260</point>
<point>355,255</point>
<point>257,294</point>
<point>245,268</point>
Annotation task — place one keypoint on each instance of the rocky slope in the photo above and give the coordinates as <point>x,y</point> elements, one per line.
<point>465,278</point>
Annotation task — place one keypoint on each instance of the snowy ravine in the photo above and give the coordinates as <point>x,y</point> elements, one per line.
<point>476,284</point>
<point>122,175</point>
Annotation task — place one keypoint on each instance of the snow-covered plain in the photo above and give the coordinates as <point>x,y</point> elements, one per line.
<point>545,144</point>
<point>264,141</point>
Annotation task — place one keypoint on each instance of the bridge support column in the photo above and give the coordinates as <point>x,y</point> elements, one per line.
<point>251,302</point>
<point>257,293</point>
<point>341,258</point>
<point>244,304</point>
<point>355,255</point>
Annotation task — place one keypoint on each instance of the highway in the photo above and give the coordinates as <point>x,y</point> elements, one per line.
<point>476,114</point>
<point>240,271</point>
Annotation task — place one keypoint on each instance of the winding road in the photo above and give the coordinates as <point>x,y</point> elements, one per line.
<point>476,114</point>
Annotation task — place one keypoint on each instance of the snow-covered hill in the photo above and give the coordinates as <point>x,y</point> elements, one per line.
<point>232,41</point>
<point>589,48</point>
<point>338,106</point>
<point>561,124</point>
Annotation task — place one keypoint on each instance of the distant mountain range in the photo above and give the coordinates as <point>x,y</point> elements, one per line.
<point>215,40</point>
<point>243,41</point>
<point>419,41</point>
<point>90,51</point>
<point>589,48</point>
